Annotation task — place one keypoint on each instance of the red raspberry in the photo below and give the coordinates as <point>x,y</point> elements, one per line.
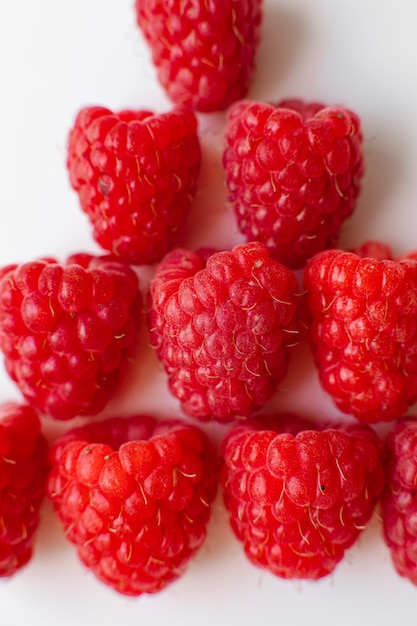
<point>297,502</point>
<point>364,332</point>
<point>135,174</point>
<point>23,474</point>
<point>374,250</point>
<point>65,330</point>
<point>412,255</point>
<point>223,328</point>
<point>293,174</point>
<point>204,52</point>
<point>399,502</point>
<point>134,496</point>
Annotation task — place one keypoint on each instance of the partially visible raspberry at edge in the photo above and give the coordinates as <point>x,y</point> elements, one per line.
<point>223,328</point>
<point>135,173</point>
<point>23,473</point>
<point>204,52</point>
<point>66,330</point>
<point>293,173</point>
<point>364,333</point>
<point>399,502</point>
<point>373,249</point>
<point>298,500</point>
<point>134,495</point>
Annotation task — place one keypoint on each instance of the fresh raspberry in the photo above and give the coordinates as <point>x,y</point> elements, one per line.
<point>65,330</point>
<point>364,332</point>
<point>293,174</point>
<point>298,501</point>
<point>135,174</point>
<point>23,474</point>
<point>134,496</point>
<point>399,502</point>
<point>204,52</point>
<point>223,328</point>
<point>410,256</point>
<point>374,249</point>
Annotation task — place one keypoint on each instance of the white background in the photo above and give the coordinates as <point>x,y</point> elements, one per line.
<point>57,56</point>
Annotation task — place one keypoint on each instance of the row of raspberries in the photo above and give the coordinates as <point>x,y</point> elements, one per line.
<point>223,324</point>
<point>134,494</point>
<point>293,172</point>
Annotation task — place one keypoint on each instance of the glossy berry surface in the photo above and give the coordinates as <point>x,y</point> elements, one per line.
<point>23,474</point>
<point>134,496</point>
<point>364,332</point>
<point>223,328</point>
<point>66,329</point>
<point>293,173</point>
<point>399,503</point>
<point>204,52</point>
<point>297,500</point>
<point>135,173</point>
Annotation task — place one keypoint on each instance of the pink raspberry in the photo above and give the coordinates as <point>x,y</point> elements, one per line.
<point>135,174</point>
<point>66,329</point>
<point>134,496</point>
<point>399,503</point>
<point>298,500</point>
<point>223,328</point>
<point>204,52</point>
<point>23,474</point>
<point>293,174</point>
<point>364,332</point>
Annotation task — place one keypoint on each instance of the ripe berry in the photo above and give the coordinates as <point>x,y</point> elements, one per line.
<point>374,249</point>
<point>399,503</point>
<point>298,500</point>
<point>223,328</point>
<point>135,174</point>
<point>364,332</point>
<point>204,52</point>
<point>65,330</point>
<point>23,473</point>
<point>134,496</point>
<point>293,174</point>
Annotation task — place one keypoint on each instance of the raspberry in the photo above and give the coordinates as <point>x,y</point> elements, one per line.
<point>223,328</point>
<point>204,52</point>
<point>65,330</point>
<point>293,174</point>
<point>410,256</point>
<point>135,174</point>
<point>399,502</point>
<point>374,249</point>
<point>364,332</point>
<point>134,496</point>
<point>23,474</point>
<point>298,501</point>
